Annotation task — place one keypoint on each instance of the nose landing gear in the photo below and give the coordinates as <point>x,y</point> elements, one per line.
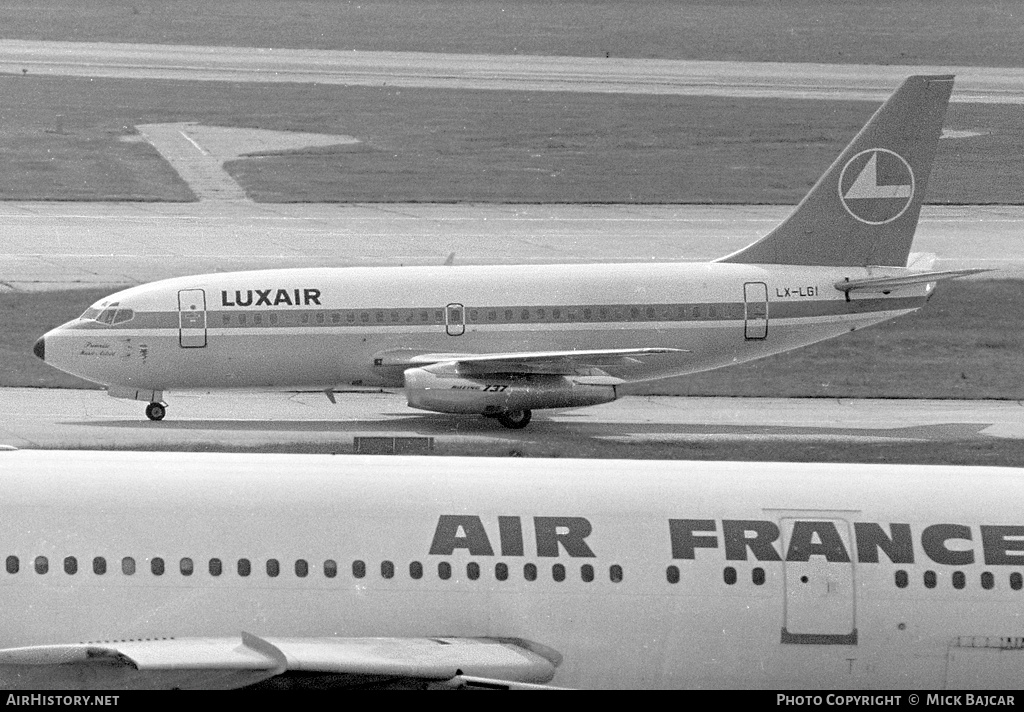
<point>156,411</point>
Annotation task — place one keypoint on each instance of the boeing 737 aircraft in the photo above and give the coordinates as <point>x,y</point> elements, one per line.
<point>502,341</point>
<point>129,570</point>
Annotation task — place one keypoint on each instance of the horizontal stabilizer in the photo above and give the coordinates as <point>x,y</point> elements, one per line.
<point>887,284</point>
<point>194,663</point>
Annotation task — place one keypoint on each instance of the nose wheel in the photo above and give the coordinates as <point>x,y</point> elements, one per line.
<point>156,411</point>
<point>515,419</point>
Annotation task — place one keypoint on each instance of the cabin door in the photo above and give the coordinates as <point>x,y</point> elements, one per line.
<point>192,318</point>
<point>755,310</point>
<point>819,586</point>
<point>455,319</point>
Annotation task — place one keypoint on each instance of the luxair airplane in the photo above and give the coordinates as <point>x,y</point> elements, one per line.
<point>125,570</point>
<point>502,341</point>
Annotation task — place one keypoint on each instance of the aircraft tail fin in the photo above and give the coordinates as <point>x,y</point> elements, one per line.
<point>864,209</point>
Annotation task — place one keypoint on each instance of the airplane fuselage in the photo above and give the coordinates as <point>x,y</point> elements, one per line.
<point>319,328</point>
<point>660,574</point>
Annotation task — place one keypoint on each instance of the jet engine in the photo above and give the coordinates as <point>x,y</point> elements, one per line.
<point>507,396</point>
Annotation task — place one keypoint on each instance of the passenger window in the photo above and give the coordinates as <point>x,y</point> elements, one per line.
<point>42,565</point>
<point>225,319</point>
<point>757,576</point>
<point>273,319</point>
<point>359,569</point>
<point>929,579</point>
<point>602,314</point>
<point>508,315</point>
<point>157,566</point>
<point>242,319</point>
<point>350,317</point>
<point>501,572</point>
<point>556,314</point>
<point>492,315</point>
<point>588,314</point>
<point>387,569</point>
<point>128,566</point>
<point>273,568</point>
<point>186,567</point>
<point>424,317</point>
<point>394,315</point>
<point>364,317</point>
<point>330,568</point>
<point>474,315</point>
<point>987,580</point>
<point>959,580</point>
<point>216,567</point>
<point>901,579</point>
<point>530,572</point>
<point>257,319</point>
<point>541,315</point>
<point>335,318</point>
<point>650,312</point>
<point>634,313</point>
<point>320,318</point>
<point>558,572</point>
<point>1016,581</point>
<point>672,574</point>
<point>712,311</point>
<point>99,566</point>
<point>244,567</point>
<point>70,565</point>
<point>416,570</point>
<point>444,571</point>
<point>13,564</point>
<point>615,573</point>
<point>587,573</point>
<point>301,568</point>
<point>729,575</point>
<point>525,316</point>
<point>473,570</point>
<point>304,319</point>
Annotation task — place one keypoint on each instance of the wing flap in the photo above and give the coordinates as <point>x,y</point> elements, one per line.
<point>551,362</point>
<point>237,662</point>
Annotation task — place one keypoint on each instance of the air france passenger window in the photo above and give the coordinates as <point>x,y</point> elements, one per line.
<point>42,565</point>
<point>186,567</point>
<point>615,573</point>
<point>301,568</point>
<point>359,568</point>
<point>444,571</point>
<point>12,564</point>
<point>216,567</point>
<point>273,568</point>
<point>244,567</point>
<point>70,565</point>
<point>128,566</point>
<point>330,568</point>
<point>157,566</point>
<point>416,570</point>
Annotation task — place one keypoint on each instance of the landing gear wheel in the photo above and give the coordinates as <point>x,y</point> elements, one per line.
<point>156,411</point>
<point>515,419</point>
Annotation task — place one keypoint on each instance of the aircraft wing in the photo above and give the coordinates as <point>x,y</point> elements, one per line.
<point>556,362</point>
<point>226,663</point>
<point>888,284</point>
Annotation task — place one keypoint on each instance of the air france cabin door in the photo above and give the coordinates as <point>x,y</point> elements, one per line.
<point>819,580</point>
<point>192,318</point>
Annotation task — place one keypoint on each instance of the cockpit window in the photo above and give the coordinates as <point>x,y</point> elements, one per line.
<point>106,313</point>
<point>107,316</point>
<point>123,315</point>
<point>90,313</point>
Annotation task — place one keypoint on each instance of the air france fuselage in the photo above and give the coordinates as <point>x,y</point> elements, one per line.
<point>660,574</point>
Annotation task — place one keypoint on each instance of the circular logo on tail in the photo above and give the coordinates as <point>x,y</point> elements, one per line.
<point>876,186</point>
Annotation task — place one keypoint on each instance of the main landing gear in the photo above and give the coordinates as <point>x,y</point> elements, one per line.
<point>515,419</point>
<point>156,411</point>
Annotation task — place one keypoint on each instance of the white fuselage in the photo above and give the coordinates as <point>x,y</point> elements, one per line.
<point>318,328</point>
<point>653,574</point>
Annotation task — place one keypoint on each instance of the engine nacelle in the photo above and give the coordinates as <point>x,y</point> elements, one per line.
<point>499,393</point>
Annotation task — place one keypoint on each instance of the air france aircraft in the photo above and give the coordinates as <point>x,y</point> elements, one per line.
<point>502,341</point>
<point>121,569</point>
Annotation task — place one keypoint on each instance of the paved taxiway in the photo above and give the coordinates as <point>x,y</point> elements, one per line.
<point>499,72</point>
<point>40,418</point>
<point>61,245</point>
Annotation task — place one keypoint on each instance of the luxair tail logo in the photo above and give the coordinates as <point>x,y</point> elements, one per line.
<point>876,186</point>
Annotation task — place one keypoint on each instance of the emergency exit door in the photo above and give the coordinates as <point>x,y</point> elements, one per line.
<point>455,319</point>
<point>755,310</point>
<point>192,318</point>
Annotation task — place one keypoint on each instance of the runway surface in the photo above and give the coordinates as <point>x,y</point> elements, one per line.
<point>497,72</point>
<point>40,418</point>
<point>62,245</point>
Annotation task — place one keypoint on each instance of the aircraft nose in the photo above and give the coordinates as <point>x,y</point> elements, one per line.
<point>40,348</point>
